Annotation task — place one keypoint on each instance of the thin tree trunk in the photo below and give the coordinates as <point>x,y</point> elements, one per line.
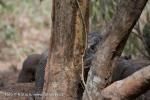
<point>67,45</point>
<point>116,34</point>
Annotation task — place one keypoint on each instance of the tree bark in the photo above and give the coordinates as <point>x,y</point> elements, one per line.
<point>115,36</point>
<point>129,88</point>
<point>67,45</point>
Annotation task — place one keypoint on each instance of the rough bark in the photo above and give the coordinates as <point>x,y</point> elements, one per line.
<point>129,88</point>
<point>67,45</point>
<point>116,33</point>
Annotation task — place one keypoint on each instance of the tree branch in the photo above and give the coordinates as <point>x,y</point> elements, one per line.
<point>130,87</point>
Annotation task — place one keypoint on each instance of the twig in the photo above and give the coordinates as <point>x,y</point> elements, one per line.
<point>85,31</point>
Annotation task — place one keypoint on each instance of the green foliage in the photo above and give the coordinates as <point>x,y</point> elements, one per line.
<point>101,12</point>
<point>7,7</point>
<point>146,29</point>
<point>132,45</point>
<point>8,33</point>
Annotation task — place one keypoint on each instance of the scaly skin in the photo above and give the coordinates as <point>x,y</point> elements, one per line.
<point>28,71</point>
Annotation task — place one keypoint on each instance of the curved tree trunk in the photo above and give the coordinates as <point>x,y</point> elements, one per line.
<point>116,33</point>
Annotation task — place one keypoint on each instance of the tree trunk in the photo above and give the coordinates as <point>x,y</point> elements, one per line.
<point>116,33</point>
<point>67,45</point>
